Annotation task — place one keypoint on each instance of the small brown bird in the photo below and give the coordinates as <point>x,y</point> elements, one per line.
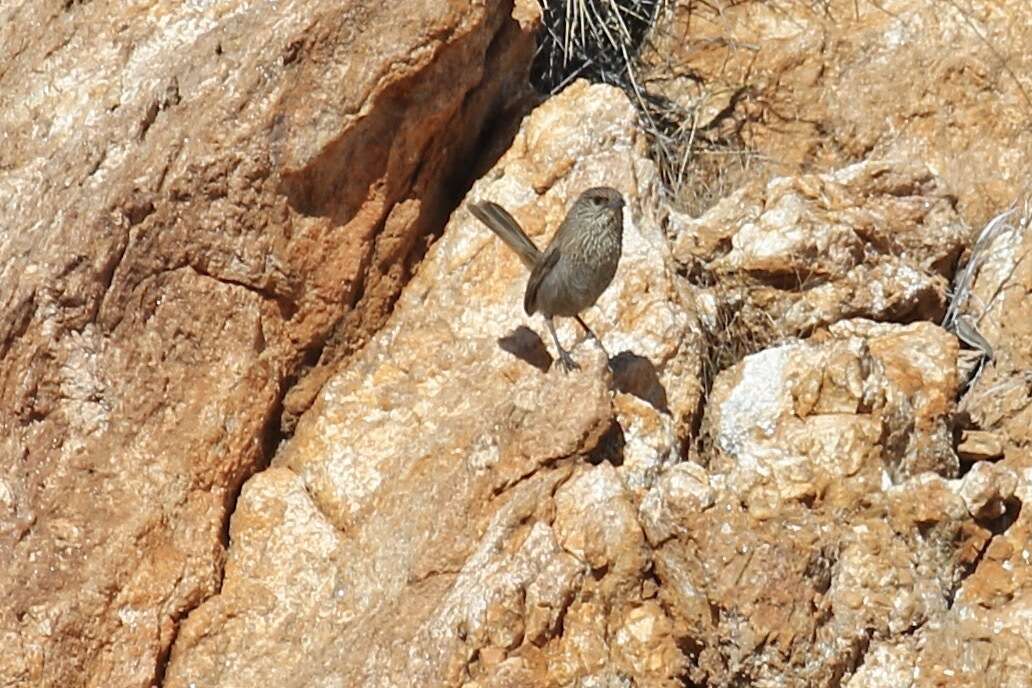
<point>578,264</point>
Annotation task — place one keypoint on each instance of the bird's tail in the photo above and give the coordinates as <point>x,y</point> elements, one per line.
<point>499,221</point>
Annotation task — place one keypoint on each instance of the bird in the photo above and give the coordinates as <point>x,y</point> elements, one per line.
<point>578,264</point>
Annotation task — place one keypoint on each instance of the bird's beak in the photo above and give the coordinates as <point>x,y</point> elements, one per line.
<point>617,203</point>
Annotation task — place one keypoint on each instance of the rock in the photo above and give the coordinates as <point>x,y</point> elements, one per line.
<point>805,421</point>
<point>596,522</point>
<point>195,199</point>
<point>983,638</point>
<point>682,491</point>
<point>800,87</point>
<point>221,295</point>
<point>646,644</point>
<point>816,525</point>
<point>987,489</point>
<point>483,534</point>
<point>979,445</point>
<point>875,240</point>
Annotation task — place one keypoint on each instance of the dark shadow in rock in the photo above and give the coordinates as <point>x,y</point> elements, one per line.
<point>525,344</point>
<point>1000,524</point>
<point>635,375</point>
<point>610,447</point>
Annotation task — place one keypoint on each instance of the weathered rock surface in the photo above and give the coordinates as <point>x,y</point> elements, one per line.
<point>817,525</point>
<point>194,198</point>
<point>443,487</point>
<point>999,305</point>
<point>464,533</point>
<point>808,86</point>
<point>772,483</point>
<point>984,639</point>
<point>875,240</point>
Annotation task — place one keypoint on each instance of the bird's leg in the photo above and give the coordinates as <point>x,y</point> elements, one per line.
<point>564,357</point>
<point>592,335</point>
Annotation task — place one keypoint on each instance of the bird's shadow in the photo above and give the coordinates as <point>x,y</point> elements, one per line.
<point>525,344</point>
<point>632,374</point>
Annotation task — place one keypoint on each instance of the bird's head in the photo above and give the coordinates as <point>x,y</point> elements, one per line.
<point>601,203</point>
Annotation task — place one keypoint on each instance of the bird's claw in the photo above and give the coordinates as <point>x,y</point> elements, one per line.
<point>567,362</point>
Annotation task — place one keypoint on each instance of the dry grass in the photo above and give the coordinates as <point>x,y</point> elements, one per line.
<point>1015,220</point>
<point>593,39</point>
<point>602,40</point>
<point>964,316</point>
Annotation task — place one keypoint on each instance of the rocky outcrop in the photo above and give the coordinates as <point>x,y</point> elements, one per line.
<point>983,639</point>
<point>996,301</point>
<point>877,240</point>
<point>824,525</point>
<point>271,412</point>
<point>452,511</point>
<point>460,499</point>
<point>819,86</point>
<point>196,201</point>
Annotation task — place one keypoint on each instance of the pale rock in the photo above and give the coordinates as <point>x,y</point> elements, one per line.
<point>979,445</point>
<point>999,303</point>
<point>886,665</point>
<point>983,638</point>
<point>920,387</point>
<point>650,441</point>
<point>607,679</point>
<point>806,419</point>
<point>986,489</point>
<point>818,496</point>
<point>873,240</point>
<point>645,643</point>
<point>682,490</point>
<point>596,522</point>
<point>511,673</point>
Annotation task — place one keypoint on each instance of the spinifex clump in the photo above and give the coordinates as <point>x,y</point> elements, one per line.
<point>594,39</point>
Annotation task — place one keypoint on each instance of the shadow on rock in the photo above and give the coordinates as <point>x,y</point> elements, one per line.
<point>635,375</point>
<point>610,447</point>
<point>524,343</point>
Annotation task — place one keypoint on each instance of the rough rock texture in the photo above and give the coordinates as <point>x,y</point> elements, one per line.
<point>876,240</point>
<point>216,213</point>
<point>449,510</point>
<point>820,85</point>
<point>813,530</point>
<point>985,639</point>
<point>851,427</point>
<point>195,198</point>
<point>800,87</point>
<point>436,521</point>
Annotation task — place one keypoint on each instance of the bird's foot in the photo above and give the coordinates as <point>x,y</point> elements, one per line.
<point>567,362</point>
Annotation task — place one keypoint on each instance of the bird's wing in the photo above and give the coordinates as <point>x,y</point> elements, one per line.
<point>537,275</point>
<point>499,221</point>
